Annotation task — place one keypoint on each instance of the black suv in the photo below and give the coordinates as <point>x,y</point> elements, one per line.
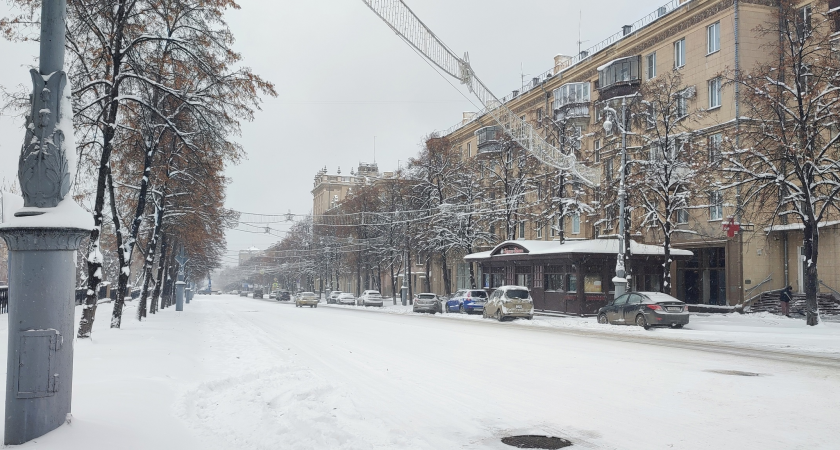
<point>284,296</point>
<point>258,293</point>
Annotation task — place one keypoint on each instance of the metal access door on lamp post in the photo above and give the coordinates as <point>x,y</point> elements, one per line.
<point>620,279</point>
<point>42,239</point>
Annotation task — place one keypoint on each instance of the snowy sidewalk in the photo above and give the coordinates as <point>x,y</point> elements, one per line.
<point>762,331</point>
<point>234,373</point>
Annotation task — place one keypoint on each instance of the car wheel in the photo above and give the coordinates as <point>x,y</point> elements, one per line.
<point>316,306</point>
<point>462,309</point>
<point>499,316</point>
<point>602,319</point>
<point>642,322</point>
<point>678,325</point>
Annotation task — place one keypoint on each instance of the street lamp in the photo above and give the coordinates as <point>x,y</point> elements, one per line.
<point>620,279</point>
<point>42,239</point>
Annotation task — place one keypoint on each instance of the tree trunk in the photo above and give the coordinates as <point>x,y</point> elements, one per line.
<point>125,269</point>
<point>428,281</point>
<point>156,296</point>
<point>151,249</point>
<point>447,277</point>
<point>408,274</point>
<point>811,247</point>
<point>94,254</point>
<point>393,285</point>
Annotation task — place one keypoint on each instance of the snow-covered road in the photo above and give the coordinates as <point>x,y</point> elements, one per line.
<point>239,373</point>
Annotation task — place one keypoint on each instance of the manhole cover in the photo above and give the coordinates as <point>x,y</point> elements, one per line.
<point>543,442</point>
<point>737,373</point>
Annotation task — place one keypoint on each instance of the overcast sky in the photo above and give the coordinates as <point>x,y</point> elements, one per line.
<point>344,77</point>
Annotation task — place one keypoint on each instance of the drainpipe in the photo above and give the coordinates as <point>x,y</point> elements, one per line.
<point>737,101</point>
<point>787,264</point>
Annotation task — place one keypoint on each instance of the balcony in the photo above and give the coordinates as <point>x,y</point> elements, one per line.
<point>488,139</point>
<point>571,100</point>
<point>619,77</point>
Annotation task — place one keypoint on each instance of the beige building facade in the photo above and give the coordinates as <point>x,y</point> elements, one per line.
<point>703,40</point>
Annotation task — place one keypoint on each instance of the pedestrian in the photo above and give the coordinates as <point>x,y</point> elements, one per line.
<point>785,297</point>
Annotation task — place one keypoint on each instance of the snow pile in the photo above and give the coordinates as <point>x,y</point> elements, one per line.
<point>759,331</point>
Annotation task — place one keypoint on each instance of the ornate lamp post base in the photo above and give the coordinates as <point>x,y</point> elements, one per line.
<point>42,276</point>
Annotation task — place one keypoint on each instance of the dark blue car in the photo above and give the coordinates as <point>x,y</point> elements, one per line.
<point>467,301</point>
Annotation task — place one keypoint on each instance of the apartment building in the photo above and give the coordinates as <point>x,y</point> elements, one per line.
<point>701,39</point>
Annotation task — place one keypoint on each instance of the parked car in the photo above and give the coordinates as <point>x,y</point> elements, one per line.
<point>272,294</point>
<point>243,293</point>
<point>427,302</point>
<point>370,298</point>
<point>345,298</point>
<point>467,301</point>
<point>510,301</point>
<point>258,293</point>
<point>333,297</point>
<point>234,292</point>
<point>284,296</point>
<point>309,299</point>
<point>645,309</point>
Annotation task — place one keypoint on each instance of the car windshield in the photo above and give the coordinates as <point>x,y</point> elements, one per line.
<point>373,293</point>
<point>478,294</point>
<point>427,296</point>
<point>308,294</point>
<point>517,293</point>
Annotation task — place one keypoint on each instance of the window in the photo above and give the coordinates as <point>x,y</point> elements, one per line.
<point>682,215</point>
<point>577,132</point>
<point>555,276</point>
<point>652,117</point>
<point>715,148</point>
<point>681,105</point>
<point>576,223</point>
<point>493,230</point>
<point>714,93</point>
<point>803,22</point>
<point>656,152</point>
<point>521,230</point>
<point>539,191</point>
<point>716,206</point>
<point>622,70</point>
<point>608,169</point>
<point>469,149</point>
<point>713,38</point>
<point>679,53</point>
<point>539,117</point>
<point>539,231</point>
<point>571,93</point>
<point>597,150</point>
<point>651,65</point>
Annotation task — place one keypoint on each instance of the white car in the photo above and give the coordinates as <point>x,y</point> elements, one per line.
<point>510,302</point>
<point>370,298</point>
<point>345,298</point>
<point>333,297</point>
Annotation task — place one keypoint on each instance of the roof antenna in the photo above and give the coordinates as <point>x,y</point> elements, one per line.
<point>580,25</point>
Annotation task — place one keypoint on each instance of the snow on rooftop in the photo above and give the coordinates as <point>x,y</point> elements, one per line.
<point>593,246</point>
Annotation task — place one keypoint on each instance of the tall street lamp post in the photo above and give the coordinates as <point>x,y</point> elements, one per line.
<point>620,279</point>
<point>42,239</point>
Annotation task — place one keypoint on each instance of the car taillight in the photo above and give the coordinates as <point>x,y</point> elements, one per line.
<point>654,307</point>
<point>685,308</point>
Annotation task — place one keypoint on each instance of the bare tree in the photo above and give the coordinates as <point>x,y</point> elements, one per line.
<point>788,159</point>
